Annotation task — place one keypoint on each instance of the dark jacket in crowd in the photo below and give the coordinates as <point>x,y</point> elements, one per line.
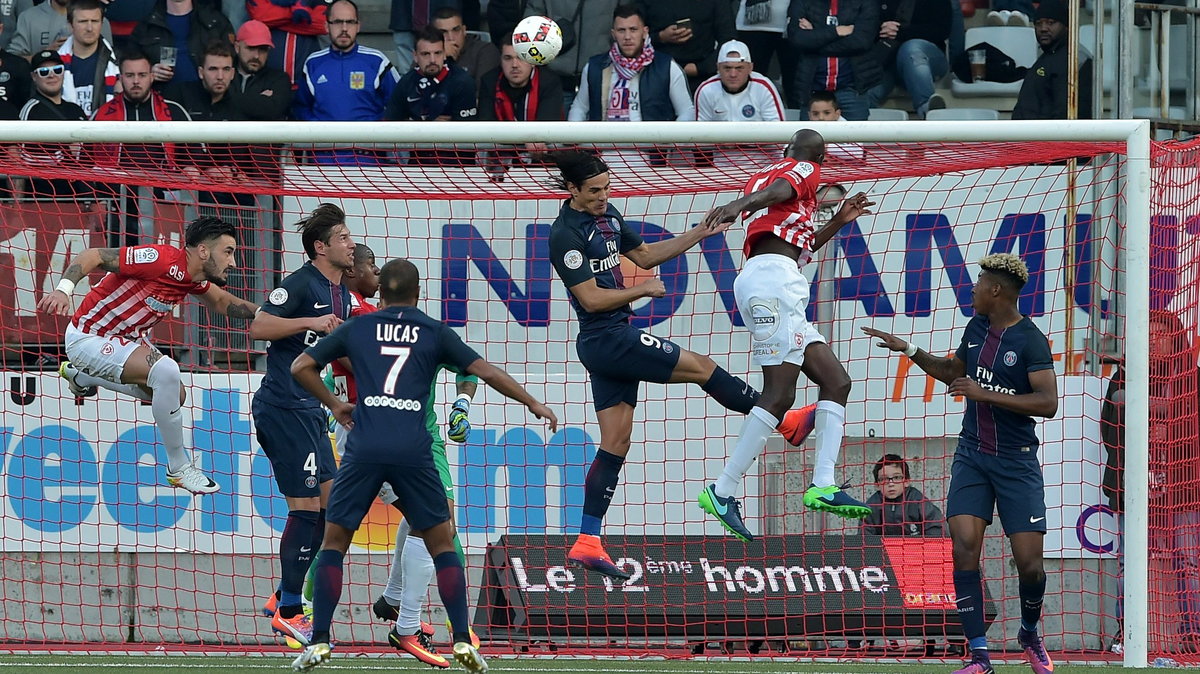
<point>1044,92</point>
<point>250,97</point>
<point>546,107</point>
<point>712,25</point>
<point>822,41</point>
<point>925,20</point>
<point>910,515</point>
<point>208,25</point>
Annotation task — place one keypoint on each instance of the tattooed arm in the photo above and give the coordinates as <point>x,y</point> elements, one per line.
<point>59,301</point>
<point>222,302</point>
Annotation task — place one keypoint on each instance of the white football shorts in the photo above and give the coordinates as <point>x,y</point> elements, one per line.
<point>772,296</point>
<point>98,356</point>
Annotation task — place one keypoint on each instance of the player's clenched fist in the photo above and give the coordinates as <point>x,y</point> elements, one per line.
<point>325,323</point>
<point>653,288</point>
<point>459,426</point>
<point>55,303</point>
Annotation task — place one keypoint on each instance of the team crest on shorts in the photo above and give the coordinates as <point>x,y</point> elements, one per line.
<point>107,350</point>
<point>310,481</point>
<point>278,296</point>
<point>358,79</point>
<point>747,111</point>
<point>667,347</point>
<point>1010,358</point>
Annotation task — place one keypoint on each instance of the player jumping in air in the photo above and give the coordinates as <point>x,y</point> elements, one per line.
<point>1003,368</point>
<point>586,242</point>
<point>412,567</point>
<point>108,338</point>
<point>396,354</point>
<point>772,296</point>
<point>291,426</point>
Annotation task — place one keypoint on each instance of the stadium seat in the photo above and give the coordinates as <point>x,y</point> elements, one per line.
<point>887,115</point>
<point>1155,112</point>
<point>794,115</point>
<point>1108,61</point>
<point>1017,41</point>
<point>963,114</point>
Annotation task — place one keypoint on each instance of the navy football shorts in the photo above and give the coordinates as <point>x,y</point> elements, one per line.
<point>419,494</point>
<point>1008,483</point>
<point>620,358</point>
<point>297,443</point>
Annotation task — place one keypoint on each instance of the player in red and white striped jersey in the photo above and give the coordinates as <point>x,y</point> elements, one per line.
<point>107,340</point>
<point>772,296</point>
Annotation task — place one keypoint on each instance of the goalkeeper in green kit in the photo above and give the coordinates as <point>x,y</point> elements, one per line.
<point>412,567</point>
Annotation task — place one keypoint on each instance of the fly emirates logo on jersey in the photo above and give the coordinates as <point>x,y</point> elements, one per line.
<point>984,377</point>
<point>613,259</point>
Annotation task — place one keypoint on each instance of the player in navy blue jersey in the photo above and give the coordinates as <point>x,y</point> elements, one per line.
<point>1003,368</point>
<point>586,244</point>
<point>395,353</point>
<point>291,425</point>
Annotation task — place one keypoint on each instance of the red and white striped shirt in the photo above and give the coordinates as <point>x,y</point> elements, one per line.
<point>342,377</point>
<point>149,282</point>
<point>790,220</point>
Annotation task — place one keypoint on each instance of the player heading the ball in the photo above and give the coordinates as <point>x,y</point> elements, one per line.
<point>587,241</point>
<point>772,296</point>
<point>396,354</point>
<point>108,338</point>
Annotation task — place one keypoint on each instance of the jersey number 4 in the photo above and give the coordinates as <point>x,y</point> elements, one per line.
<point>401,354</point>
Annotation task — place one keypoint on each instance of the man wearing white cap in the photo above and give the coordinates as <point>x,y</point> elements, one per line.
<point>737,93</point>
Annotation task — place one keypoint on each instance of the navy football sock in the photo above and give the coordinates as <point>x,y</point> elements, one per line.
<point>452,587</point>
<point>598,490</point>
<point>968,586</point>
<point>295,554</point>
<point>318,538</point>
<point>327,591</point>
<point>1031,604</point>
<point>731,392</point>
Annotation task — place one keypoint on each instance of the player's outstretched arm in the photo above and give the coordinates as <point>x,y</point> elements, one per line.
<point>271,327</point>
<point>307,371</point>
<point>650,255</point>
<point>59,301</point>
<point>775,193</point>
<point>506,385</point>
<point>944,370</point>
<point>852,208</point>
<point>223,302</point>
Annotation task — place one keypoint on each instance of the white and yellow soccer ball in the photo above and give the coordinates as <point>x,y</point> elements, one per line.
<point>537,40</point>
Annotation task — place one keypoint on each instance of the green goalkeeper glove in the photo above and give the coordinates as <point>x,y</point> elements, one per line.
<point>458,425</point>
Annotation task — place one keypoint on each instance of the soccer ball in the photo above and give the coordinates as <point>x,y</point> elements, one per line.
<point>537,40</point>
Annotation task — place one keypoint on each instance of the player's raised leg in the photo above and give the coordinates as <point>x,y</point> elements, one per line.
<point>824,369</point>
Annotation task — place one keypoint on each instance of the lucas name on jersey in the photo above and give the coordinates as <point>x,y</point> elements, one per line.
<point>403,334</point>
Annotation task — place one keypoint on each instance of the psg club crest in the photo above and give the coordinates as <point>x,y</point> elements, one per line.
<point>1010,358</point>
<point>747,111</point>
<point>310,481</point>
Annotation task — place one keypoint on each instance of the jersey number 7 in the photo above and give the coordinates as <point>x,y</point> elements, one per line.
<point>401,353</point>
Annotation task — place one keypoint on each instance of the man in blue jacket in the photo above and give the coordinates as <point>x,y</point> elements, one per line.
<point>346,82</point>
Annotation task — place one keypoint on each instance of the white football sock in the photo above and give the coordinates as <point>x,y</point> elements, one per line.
<point>164,381</point>
<point>418,573</point>
<point>134,390</point>
<point>756,428</point>
<point>393,593</point>
<point>829,428</point>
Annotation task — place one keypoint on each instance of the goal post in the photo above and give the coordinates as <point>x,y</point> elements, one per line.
<point>920,168</point>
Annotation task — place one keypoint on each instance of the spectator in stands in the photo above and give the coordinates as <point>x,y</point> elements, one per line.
<point>762,25</point>
<point>297,29</point>
<point>823,107</point>
<point>347,81</point>
<point>259,92</point>
<point>91,75</point>
<point>124,16</point>
<point>208,99</point>
<point>737,93</point>
<point>48,103</point>
<point>834,43</point>
<point>410,17</point>
<point>689,32</point>
<point>586,31</point>
<point>519,92</point>
<point>1174,472</point>
<point>45,26</point>
<point>435,90</point>
<point>632,81</point>
<point>8,20</point>
<point>185,27</point>
<point>911,49</point>
<point>14,84</point>
<point>136,101</point>
<point>502,17</point>
<point>466,51</point>
<point>897,507</point>
<point>1044,92</point>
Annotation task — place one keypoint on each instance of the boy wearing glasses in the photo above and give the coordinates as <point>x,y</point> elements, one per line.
<point>897,508</point>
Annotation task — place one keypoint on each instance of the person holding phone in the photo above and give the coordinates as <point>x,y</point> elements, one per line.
<point>689,31</point>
